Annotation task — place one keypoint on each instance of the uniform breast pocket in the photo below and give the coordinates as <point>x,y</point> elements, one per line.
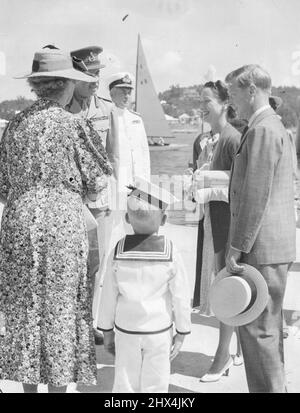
<point>101,125</point>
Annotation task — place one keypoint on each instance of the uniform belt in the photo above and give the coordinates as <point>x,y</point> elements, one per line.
<point>143,332</point>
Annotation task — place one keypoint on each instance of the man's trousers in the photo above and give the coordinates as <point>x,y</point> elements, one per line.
<point>262,339</point>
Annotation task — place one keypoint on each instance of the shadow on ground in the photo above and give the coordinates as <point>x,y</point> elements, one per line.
<point>186,364</point>
<point>191,364</point>
<point>105,373</point>
<point>204,320</point>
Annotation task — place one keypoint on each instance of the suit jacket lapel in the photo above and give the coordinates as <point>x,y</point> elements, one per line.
<point>262,115</point>
<point>243,138</point>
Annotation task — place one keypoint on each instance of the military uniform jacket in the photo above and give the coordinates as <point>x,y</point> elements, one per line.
<point>97,110</point>
<point>127,147</point>
<point>261,193</point>
<point>144,285</point>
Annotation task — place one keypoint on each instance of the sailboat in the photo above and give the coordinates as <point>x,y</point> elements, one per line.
<point>148,104</point>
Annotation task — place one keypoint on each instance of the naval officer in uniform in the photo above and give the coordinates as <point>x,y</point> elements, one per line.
<point>127,144</point>
<point>89,106</point>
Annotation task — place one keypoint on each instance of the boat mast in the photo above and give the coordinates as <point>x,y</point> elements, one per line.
<point>136,71</point>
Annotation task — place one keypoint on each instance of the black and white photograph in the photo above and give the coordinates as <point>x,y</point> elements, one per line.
<point>149,199</point>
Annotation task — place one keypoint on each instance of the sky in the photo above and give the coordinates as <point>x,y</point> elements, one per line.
<point>185,41</point>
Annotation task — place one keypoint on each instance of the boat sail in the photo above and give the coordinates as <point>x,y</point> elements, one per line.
<point>146,99</point>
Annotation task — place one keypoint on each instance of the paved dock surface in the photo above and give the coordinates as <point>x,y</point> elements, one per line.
<point>199,347</point>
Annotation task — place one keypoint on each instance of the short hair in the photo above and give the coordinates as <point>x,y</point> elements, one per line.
<point>47,87</point>
<point>251,74</point>
<point>141,209</point>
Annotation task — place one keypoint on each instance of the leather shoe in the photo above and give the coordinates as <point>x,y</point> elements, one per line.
<point>211,377</point>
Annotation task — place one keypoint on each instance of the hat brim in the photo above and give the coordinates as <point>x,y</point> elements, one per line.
<point>123,86</point>
<point>71,74</point>
<point>259,304</point>
<point>94,67</point>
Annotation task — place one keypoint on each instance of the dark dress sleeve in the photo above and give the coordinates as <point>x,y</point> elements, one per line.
<point>196,151</point>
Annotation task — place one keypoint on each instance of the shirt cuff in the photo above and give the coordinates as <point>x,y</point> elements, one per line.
<point>184,333</point>
<point>235,249</point>
<point>105,330</point>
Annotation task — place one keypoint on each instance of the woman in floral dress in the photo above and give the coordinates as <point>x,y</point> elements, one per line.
<point>49,163</point>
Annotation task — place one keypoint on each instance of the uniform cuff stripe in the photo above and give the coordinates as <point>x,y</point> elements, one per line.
<point>183,333</point>
<point>104,329</point>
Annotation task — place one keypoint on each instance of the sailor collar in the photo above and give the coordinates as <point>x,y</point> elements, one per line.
<point>140,247</point>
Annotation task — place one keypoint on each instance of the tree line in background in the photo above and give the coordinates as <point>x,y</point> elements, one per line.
<point>8,108</point>
<point>178,100</point>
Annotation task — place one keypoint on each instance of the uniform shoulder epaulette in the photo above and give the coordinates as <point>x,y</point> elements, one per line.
<point>135,113</point>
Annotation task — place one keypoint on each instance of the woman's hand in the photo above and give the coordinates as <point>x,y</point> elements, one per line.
<point>93,196</point>
<point>188,171</point>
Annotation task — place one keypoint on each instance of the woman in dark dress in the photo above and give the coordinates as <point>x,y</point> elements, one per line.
<point>214,104</point>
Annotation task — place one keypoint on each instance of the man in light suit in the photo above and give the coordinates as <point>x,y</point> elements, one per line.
<point>262,229</point>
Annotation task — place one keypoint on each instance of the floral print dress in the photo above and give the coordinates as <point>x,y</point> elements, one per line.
<point>49,160</point>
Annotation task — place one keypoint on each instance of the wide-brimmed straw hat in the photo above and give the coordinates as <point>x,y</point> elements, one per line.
<point>53,62</point>
<point>237,300</point>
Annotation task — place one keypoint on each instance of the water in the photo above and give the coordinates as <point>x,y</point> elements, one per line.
<point>172,162</point>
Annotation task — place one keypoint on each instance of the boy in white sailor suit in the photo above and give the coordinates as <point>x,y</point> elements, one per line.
<point>145,290</point>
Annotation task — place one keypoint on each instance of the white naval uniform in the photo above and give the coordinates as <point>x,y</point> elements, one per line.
<point>145,290</point>
<point>128,151</point>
